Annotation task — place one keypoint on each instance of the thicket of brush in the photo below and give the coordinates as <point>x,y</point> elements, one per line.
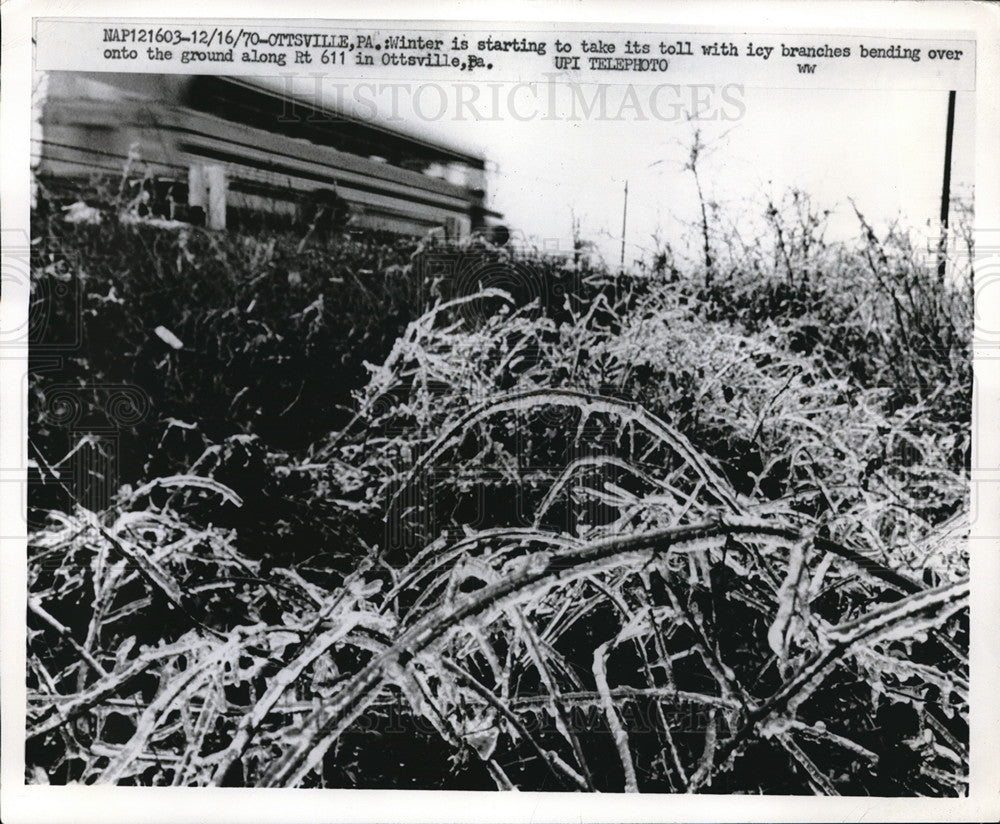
<point>367,514</point>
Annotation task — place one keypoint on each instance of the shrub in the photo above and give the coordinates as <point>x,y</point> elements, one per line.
<point>547,526</point>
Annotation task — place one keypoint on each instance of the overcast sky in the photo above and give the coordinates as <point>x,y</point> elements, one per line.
<point>553,159</point>
<point>884,150</point>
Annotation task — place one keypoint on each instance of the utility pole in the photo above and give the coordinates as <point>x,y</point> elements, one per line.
<point>945,189</point>
<point>624,219</point>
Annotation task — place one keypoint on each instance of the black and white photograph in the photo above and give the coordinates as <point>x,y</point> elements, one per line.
<point>560,404</point>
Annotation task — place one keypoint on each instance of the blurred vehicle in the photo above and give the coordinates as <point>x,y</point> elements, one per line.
<point>233,152</point>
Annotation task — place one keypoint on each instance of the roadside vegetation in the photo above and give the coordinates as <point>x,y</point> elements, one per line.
<point>371,512</point>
